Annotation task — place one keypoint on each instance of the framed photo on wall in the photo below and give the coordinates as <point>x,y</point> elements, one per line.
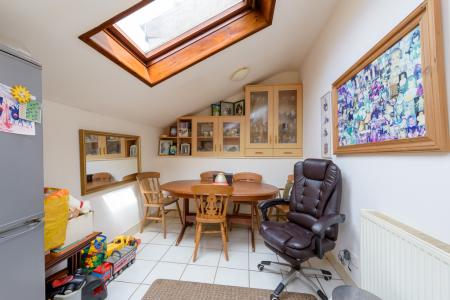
<point>325,117</point>
<point>393,98</point>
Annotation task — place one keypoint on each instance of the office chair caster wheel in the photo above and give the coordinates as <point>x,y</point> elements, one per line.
<point>322,295</point>
<point>273,297</point>
<point>260,267</point>
<point>327,275</point>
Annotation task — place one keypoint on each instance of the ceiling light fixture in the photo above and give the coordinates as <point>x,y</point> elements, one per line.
<point>240,74</point>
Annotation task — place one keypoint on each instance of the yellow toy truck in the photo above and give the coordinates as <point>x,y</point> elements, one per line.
<point>120,242</point>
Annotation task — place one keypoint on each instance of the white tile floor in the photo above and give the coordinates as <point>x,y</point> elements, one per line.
<point>160,258</point>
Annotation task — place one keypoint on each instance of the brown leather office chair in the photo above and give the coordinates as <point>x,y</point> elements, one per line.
<point>312,226</point>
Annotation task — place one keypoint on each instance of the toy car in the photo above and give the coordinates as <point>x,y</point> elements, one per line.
<point>119,242</point>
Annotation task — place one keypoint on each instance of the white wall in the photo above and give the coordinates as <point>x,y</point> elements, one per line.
<point>410,187</point>
<point>274,171</point>
<point>116,210</point>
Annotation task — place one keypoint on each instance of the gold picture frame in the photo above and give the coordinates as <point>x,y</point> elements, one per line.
<point>426,19</point>
<point>130,149</point>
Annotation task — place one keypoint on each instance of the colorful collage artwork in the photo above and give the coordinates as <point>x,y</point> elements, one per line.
<point>9,114</point>
<point>385,100</point>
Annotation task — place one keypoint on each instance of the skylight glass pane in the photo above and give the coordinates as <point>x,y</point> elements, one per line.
<point>163,20</point>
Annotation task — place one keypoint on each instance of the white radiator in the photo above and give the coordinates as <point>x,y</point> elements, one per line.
<point>401,263</point>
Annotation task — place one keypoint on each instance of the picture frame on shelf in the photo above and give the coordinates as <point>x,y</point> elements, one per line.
<point>393,98</point>
<point>215,109</point>
<point>173,131</point>
<point>239,108</point>
<point>173,150</point>
<point>164,147</point>
<point>183,131</point>
<point>185,149</point>
<point>325,116</point>
<point>133,151</point>
<point>226,108</point>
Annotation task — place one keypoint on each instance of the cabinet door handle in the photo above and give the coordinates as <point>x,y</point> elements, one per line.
<point>287,152</point>
<point>276,139</point>
<point>259,152</point>
<point>215,148</point>
<point>270,139</point>
<point>220,147</point>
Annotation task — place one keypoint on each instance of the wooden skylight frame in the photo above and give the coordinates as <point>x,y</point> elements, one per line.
<point>208,38</point>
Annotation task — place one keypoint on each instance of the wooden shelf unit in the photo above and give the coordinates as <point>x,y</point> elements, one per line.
<point>275,131</point>
<point>274,120</point>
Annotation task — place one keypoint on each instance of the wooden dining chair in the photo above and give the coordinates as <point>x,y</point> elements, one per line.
<point>102,177</point>
<point>283,193</point>
<point>246,177</point>
<point>211,202</point>
<point>153,197</point>
<point>208,176</point>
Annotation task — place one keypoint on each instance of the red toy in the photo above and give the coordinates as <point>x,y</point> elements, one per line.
<point>116,263</point>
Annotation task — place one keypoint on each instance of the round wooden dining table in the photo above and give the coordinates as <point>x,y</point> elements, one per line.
<point>249,192</point>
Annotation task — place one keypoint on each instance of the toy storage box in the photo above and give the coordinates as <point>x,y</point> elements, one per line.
<point>79,227</point>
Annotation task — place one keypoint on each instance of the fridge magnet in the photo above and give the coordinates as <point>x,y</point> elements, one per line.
<point>20,93</point>
<point>226,108</point>
<point>325,103</point>
<point>239,108</point>
<point>30,111</point>
<point>10,120</point>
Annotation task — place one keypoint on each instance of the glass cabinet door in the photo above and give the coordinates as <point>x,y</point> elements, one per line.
<point>259,122</point>
<point>92,145</point>
<point>287,119</point>
<point>231,136</point>
<point>113,145</point>
<point>205,137</point>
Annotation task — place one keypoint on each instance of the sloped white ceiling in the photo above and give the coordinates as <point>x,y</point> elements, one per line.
<point>77,75</point>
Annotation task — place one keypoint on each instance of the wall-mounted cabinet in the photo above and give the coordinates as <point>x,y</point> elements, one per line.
<point>98,147</point>
<point>274,122</point>
<point>218,136</point>
<point>272,127</point>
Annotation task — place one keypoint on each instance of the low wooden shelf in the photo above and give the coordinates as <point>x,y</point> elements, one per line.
<point>72,253</point>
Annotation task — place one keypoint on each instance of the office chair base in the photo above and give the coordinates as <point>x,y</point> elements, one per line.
<point>300,274</point>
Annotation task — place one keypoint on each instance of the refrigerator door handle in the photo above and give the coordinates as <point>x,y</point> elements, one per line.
<point>15,232</point>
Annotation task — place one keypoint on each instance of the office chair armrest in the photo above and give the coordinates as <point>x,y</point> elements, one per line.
<point>264,205</point>
<point>320,227</point>
<point>325,222</point>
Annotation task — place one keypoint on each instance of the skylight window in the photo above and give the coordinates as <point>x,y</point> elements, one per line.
<point>163,20</point>
<point>156,39</point>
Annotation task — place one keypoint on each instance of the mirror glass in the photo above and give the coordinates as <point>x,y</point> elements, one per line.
<point>108,160</point>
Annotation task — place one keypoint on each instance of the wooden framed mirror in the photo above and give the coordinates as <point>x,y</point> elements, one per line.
<point>107,160</point>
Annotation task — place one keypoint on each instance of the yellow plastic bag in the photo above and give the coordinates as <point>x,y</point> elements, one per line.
<point>56,216</point>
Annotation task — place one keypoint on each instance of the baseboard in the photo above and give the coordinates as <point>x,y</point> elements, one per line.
<point>340,269</point>
<point>133,230</point>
